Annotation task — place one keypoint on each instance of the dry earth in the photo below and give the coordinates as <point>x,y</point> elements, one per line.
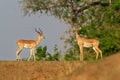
<point>105,69</point>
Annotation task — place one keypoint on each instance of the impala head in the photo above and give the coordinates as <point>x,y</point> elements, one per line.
<point>40,32</point>
<point>76,28</point>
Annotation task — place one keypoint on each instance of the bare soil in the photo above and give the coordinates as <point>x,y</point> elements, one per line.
<point>105,69</point>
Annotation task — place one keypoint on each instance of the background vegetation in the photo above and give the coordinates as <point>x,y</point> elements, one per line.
<point>99,19</point>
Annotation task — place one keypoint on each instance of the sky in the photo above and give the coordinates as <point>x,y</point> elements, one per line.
<point>14,26</point>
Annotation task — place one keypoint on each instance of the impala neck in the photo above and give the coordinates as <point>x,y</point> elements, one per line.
<point>38,40</point>
<point>77,35</point>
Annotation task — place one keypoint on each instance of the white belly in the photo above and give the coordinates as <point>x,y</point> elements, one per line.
<point>27,46</point>
<point>88,45</point>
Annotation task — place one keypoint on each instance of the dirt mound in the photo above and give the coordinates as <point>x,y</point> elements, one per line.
<point>105,69</point>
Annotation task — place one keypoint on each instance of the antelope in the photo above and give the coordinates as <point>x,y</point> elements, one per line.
<point>31,44</point>
<point>87,42</point>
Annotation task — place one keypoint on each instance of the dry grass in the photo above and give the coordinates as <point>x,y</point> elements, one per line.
<point>106,69</point>
<point>35,70</point>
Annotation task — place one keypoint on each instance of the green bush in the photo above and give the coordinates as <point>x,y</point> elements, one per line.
<point>41,53</point>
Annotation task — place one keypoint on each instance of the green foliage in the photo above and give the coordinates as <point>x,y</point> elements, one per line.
<point>57,53</point>
<point>72,54</point>
<point>56,56</point>
<point>89,54</point>
<point>41,53</point>
<point>116,5</point>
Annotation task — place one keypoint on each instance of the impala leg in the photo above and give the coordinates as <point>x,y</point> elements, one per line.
<point>17,54</point>
<point>96,52</point>
<point>101,54</point>
<point>30,54</point>
<point>34,54</point>
<point>81,53</point>
<point>99,51</point>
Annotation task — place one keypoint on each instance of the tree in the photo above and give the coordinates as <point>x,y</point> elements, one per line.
<point>98,19</point>
<point>68,10</point>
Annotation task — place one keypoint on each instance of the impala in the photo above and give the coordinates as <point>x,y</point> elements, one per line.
<point>31,44</point>
<point>87,42</point>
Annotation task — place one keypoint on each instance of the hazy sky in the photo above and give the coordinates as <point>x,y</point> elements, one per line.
<point>15,26</point>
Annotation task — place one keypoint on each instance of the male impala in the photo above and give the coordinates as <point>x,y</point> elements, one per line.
<point>32,44</point>
<point>85,42</point>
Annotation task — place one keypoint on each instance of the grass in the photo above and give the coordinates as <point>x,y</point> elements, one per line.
<point>105,69</point>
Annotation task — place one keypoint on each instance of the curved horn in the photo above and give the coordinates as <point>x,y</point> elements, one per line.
<point>40,30</point>
<point>36,30</point>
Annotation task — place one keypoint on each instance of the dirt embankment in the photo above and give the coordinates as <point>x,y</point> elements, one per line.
<point>105,69</point>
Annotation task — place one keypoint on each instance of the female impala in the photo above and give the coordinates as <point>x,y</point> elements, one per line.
<point>32,44</point>
<point>84,42</point>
